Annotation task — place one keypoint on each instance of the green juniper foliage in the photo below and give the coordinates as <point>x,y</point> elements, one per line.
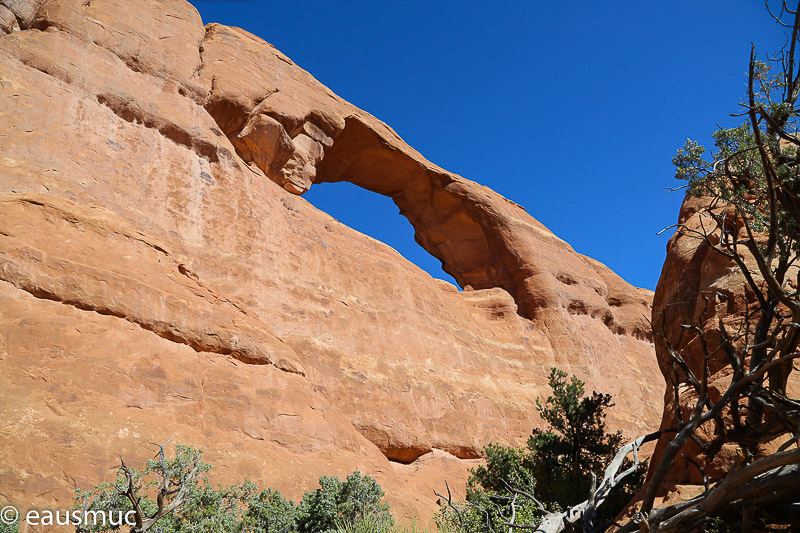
<point>269,512</point>
<point>343,503</point>
<point>354,504</point>
<point>556,465</point>
<point>12,527</point>
<point>575,445</point>
<point>737,172</point>
<point>205,507</point>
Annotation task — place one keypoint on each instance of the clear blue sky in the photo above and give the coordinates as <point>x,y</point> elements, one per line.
<point>570,108</point>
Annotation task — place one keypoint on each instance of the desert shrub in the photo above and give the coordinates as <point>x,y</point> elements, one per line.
<point>556,464</point>
<point>576,444</point>
<point>343,504</point>
<point>12,527</point>
<point>203,507</point>
<point>354,504</point>
<point>269,512</point>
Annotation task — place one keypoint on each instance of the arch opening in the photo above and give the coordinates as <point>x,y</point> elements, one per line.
<point>377,216</point>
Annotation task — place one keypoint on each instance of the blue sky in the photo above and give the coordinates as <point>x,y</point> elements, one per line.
<point>572,109</point>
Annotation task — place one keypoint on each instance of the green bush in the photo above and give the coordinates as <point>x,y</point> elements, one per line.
<point>204,508</point>
<point>269,512</point>
<point>575,445</point>
<point>9,528</point>
<point>343,504</point>
<point>556,465</point>
<point>354,504</point>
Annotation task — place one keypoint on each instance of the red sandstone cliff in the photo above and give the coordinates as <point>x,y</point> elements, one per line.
<point>159,274</point>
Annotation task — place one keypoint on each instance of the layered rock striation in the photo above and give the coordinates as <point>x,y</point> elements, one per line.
<point>160,274</point>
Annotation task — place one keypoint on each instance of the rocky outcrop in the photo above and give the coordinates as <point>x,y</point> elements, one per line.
<point>160,274</point>
<point>16,15</point>
<point>698,287</point>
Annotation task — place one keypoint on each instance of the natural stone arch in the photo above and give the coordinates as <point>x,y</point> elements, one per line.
<point>298,132</point>
<point>443,223</point>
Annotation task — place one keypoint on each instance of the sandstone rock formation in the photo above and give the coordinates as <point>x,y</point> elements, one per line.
<point>699,287</point>
<point>159,274</point>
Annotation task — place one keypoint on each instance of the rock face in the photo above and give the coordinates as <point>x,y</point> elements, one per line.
<point>700,287</point>
<point>159,274</point>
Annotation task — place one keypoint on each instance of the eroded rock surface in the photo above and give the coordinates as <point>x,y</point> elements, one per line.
<point>698,287</point>
<point>159,274</point>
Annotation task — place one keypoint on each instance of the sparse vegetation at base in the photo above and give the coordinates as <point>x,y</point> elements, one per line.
<point>537,484</point>
<point>175,495</point>
<point>558,465</point>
